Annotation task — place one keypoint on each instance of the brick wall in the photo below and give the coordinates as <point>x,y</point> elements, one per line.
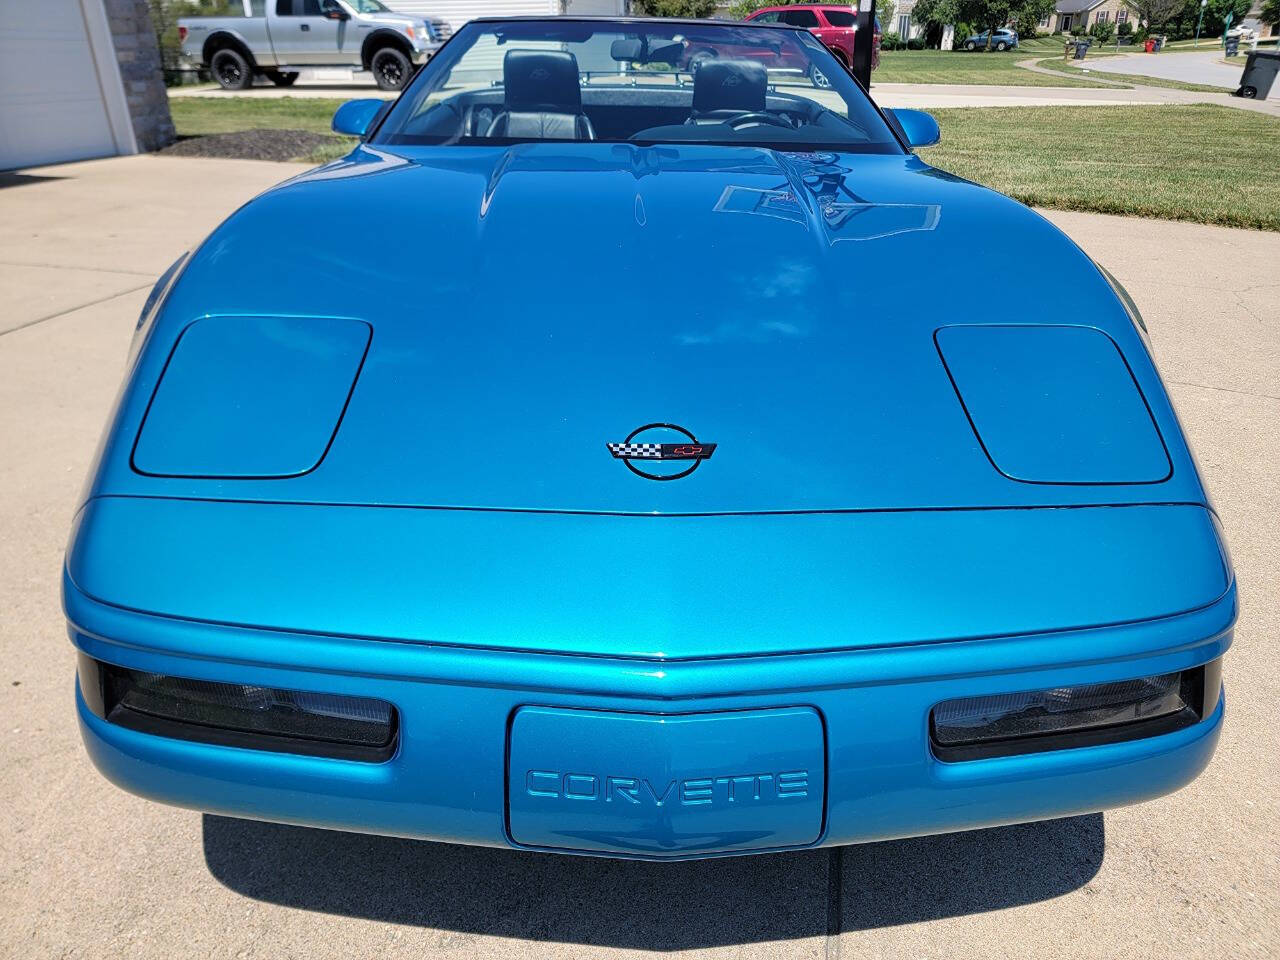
<point>139,59</point>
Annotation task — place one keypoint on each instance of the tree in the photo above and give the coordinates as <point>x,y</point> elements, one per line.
<point>1154,13</point>
<point>1271,12</point>
<point>164,21</point>
<point>940,12</point>
<point>741,9</point>
<point>1217,10</point>
<point>989,15</point>
<point>688,9</point>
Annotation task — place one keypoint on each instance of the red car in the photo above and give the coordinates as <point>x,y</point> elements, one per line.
<point>831,23</point>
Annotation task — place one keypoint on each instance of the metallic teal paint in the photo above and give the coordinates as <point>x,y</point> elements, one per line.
<point>467,547</point>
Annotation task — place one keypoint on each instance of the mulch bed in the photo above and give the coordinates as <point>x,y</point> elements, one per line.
<point>282,145</point>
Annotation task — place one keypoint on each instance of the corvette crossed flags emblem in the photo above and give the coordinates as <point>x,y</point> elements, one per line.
<point>639,449</point>
<point>662,451</point>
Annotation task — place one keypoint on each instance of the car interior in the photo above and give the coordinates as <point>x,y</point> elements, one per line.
<point>544,95</point>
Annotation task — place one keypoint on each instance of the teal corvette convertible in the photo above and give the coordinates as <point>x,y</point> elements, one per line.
<point>608,502</point>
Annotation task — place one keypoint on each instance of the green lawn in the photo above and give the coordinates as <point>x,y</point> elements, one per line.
<point>1126,79</point>
<point>1196,162</point>
<point>949,66</point>
<point>195,116</point>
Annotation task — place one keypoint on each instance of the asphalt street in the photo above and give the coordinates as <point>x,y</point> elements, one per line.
<point>1190,66</point>
<point>89,871</point>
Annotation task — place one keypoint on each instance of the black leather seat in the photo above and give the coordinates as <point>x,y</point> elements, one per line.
<point>541,98</point>
<point>723,89</point>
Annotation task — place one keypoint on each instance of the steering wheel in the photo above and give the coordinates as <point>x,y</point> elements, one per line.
<point>744,119</point>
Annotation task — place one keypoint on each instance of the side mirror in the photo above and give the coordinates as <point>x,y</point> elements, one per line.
<point>331,11</point>
<point>355,117</point>
<point>920,129</point>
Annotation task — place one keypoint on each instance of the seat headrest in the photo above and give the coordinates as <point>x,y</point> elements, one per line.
<point>729,85</point>
<point>541,80</point>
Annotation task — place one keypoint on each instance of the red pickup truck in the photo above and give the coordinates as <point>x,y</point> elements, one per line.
<point>831,23</point>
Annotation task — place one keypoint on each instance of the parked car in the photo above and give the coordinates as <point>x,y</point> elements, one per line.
<point>833,24</point>
<point>1001,40</point>
<point>614,539</point>
<point>275,38</point>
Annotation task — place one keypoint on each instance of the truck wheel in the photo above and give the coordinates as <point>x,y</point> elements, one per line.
<point>231,70</point>
<point>818,78</point>
<point>281,78</point>
<point>390,68</point>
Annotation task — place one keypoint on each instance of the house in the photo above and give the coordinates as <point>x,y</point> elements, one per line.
<point>1071,15</point>
<point>79,79</point>
<point>904,25</point>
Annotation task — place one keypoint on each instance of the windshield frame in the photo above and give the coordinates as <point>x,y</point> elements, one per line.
<point>452,51</point>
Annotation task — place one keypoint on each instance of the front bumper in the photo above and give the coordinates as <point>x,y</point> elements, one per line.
<point>424,50</point>
<point>449,780</point>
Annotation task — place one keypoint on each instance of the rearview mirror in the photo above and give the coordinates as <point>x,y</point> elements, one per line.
<point>633,50</point>
<point>356,117</point>
<point>920,129</point>
<point>626,50</point>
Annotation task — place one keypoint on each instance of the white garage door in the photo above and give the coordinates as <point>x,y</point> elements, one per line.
<point>52,105</point>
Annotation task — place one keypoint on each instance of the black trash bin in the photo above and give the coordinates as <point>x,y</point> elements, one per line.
<point>1260,71</point>
<point>1233,46</point>
<point>1082,47</point>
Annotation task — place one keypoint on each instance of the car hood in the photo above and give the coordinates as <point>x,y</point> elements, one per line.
<point>525,306</point>
<point>389,19</point>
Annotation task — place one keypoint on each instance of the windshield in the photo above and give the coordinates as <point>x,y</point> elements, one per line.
<point>646,82</point>
<point>367,6</point>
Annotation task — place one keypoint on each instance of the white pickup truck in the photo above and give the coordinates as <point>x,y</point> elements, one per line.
<point>274,38</point>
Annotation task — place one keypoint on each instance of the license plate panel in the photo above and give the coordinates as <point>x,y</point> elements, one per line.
<point>669,785</point>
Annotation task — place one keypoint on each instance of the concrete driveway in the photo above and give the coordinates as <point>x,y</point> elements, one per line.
<point>89,871</point>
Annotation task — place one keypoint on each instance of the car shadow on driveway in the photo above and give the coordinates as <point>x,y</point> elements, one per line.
<point>655,906</point>
<point>15,179</point>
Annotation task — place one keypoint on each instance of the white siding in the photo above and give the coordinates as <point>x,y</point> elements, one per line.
<point>484,61</point>
<point>458,12</point>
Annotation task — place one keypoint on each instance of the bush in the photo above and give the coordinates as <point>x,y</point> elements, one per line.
<point>1103,31</point>
<point>890,41</point>
<point>915,43</point>
<point>685,9</point>
<point>963,33</point>
<point>741,9</point>
<point>1124,29</point>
